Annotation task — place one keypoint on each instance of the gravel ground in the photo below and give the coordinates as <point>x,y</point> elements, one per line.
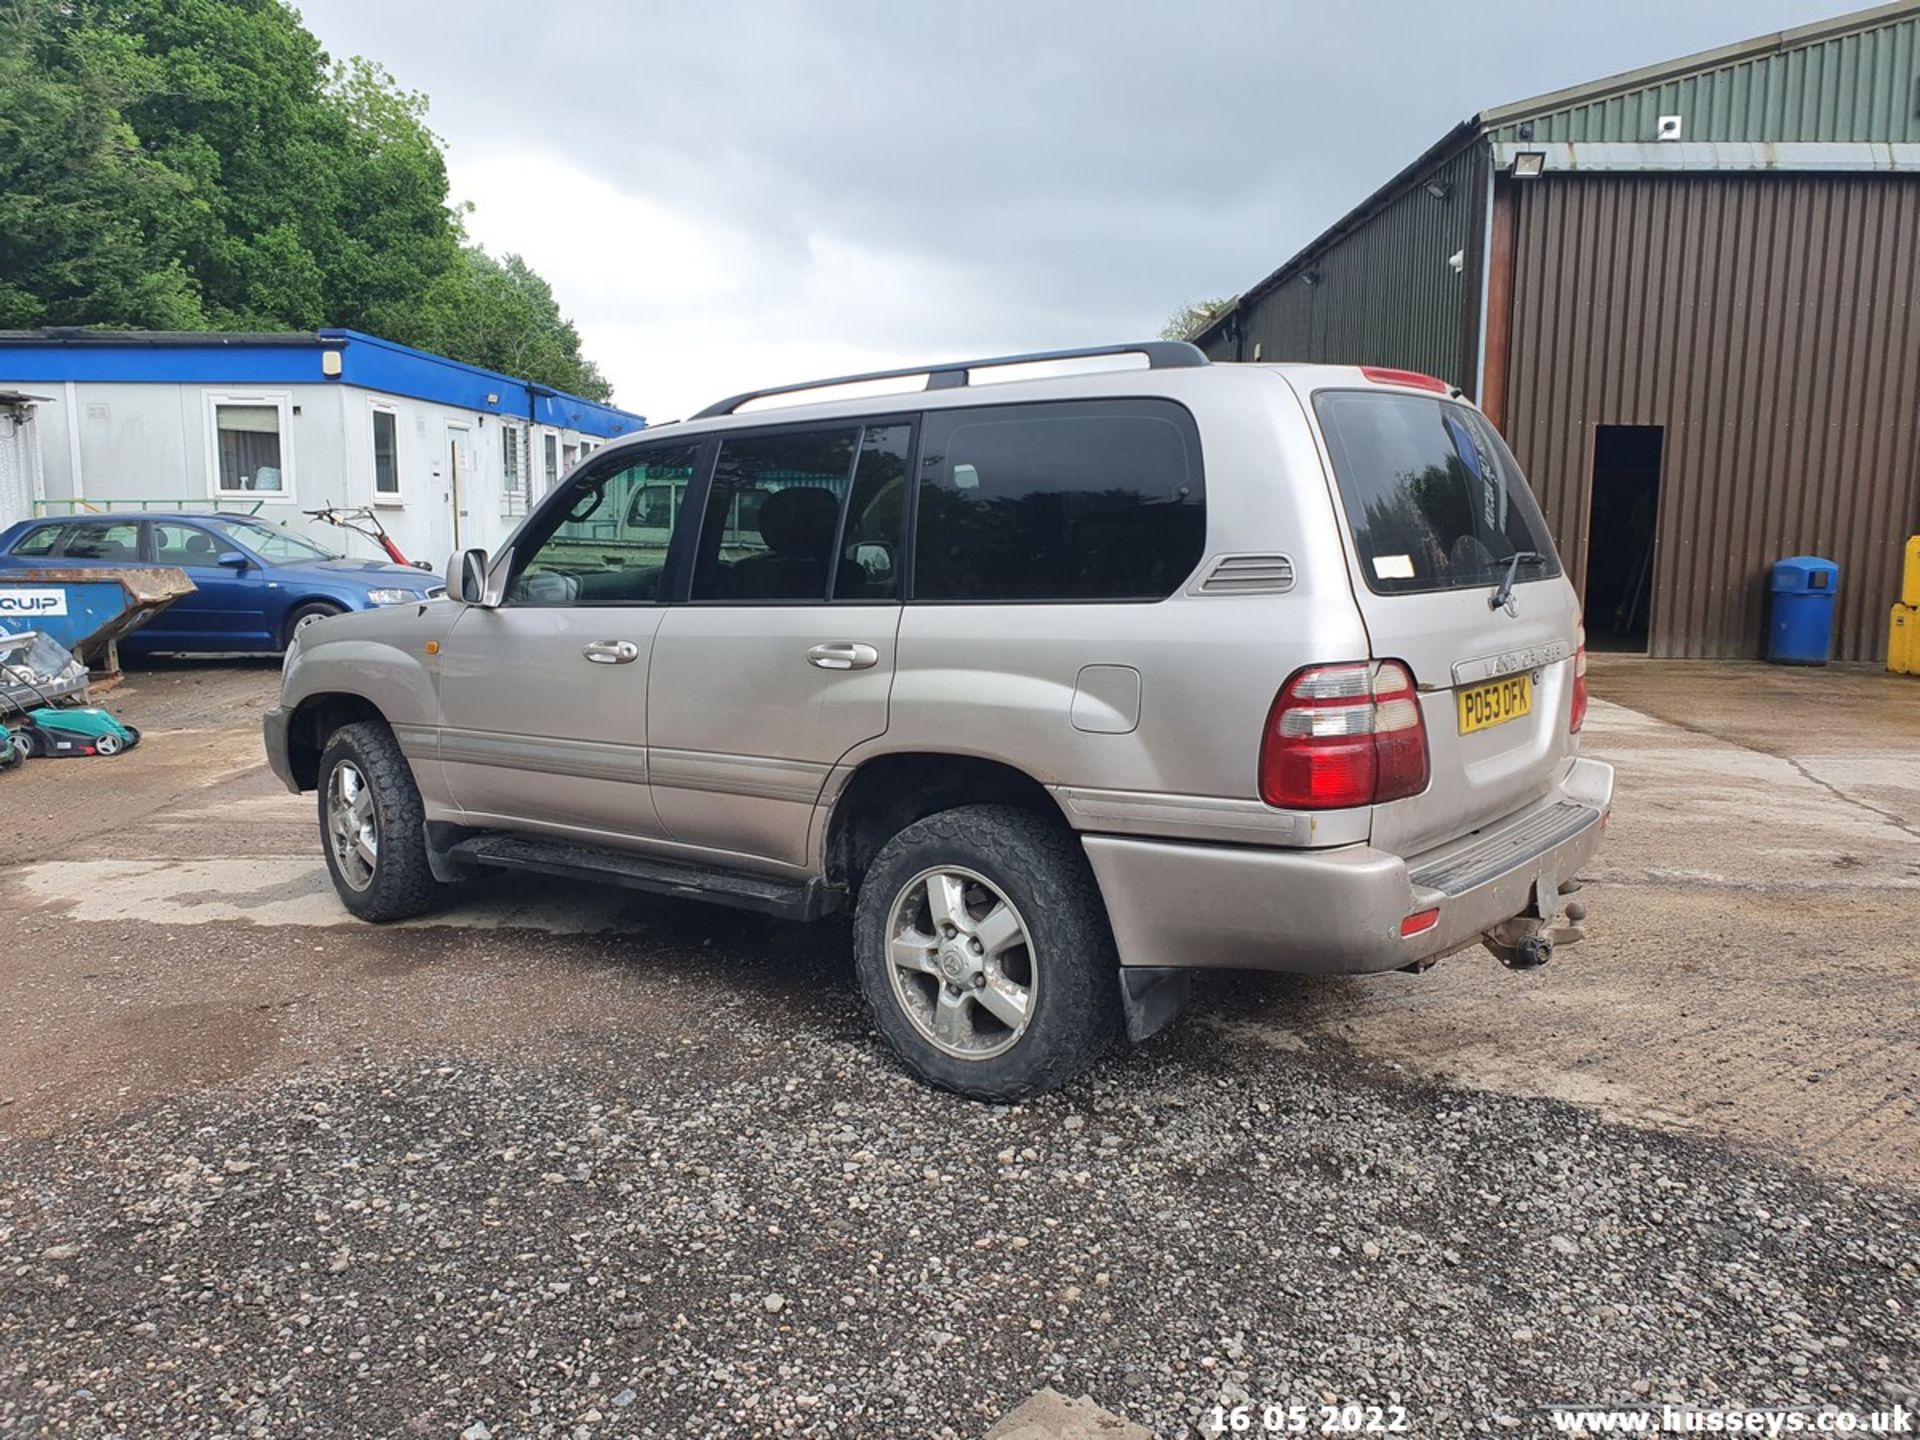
<point>570,1162</point>
<point>739,1223</point>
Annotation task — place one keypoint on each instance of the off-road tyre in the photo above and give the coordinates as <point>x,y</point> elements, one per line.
<point>402,885</point>
<point>1039,867</point>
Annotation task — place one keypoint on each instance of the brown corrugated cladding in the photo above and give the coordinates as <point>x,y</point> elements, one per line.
<point>1383,293</point>
<point>1771,324</point>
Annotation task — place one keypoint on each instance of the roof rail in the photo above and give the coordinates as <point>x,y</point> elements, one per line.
<point>952,375</point>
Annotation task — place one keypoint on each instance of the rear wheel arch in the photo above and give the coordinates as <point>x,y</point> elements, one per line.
<point>890,792</point>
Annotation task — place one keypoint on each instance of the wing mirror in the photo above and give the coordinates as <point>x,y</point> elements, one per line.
<point>231,560</point>
<point>468,580</point>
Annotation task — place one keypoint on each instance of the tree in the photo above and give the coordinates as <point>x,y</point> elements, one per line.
<point>201,164</point>
<point>1192,317</point>
<point>500,314</point>
<point>88,220</point>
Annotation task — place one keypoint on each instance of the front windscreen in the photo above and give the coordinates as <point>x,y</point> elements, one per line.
<point>276,547</point>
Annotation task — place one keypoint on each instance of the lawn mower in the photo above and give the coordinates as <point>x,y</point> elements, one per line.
<point>363,521</point>
<point>36,669</point>
<point>66,734</point>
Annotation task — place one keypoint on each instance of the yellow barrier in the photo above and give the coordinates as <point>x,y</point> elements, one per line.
<point>1903,640</point>
<point>1910,574</point>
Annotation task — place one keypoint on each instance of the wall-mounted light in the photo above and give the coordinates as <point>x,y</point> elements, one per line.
<point>1438,188</point>
<point>1310,278</point>
<point>1529,165</point>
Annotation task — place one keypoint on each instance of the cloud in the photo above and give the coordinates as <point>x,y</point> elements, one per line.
<point>739,192</point>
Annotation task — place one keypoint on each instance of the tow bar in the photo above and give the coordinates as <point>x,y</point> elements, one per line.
<point>1528,940</point>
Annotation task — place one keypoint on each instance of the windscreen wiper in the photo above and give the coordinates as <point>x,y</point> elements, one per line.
<point>1503,597</point>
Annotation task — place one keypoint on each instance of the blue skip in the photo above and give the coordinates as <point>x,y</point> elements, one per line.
<point>87,609</point>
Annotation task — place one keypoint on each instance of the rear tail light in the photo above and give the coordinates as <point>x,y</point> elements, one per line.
<point>1339,736</point>
<point>1579,683</point>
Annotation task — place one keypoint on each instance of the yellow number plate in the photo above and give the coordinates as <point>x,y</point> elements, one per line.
<point>1484,706</point>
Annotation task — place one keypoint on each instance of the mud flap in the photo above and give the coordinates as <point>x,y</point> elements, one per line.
<point>1152,996</point>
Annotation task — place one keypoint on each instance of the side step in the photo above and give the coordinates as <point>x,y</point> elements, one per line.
<point>790,900</point>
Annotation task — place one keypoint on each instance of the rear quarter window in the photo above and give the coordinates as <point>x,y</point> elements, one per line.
<point>1433,496</point>
<point>1098,500</point>
<point>38,541</point>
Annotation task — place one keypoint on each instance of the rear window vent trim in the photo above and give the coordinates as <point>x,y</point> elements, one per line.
<point>1247,574</point>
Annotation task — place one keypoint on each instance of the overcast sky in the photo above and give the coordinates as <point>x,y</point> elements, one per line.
<point>728,193</point>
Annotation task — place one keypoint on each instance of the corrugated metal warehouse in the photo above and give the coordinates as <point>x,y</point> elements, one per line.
<point>1690,296</point>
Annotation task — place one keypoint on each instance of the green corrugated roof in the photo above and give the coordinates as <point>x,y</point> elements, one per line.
<point>1850,78</point>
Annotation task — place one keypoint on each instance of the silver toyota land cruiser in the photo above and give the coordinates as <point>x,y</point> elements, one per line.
<point>1063,687</point>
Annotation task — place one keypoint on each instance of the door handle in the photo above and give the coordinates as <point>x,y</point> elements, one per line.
<point>843,655</point>
<point>612,652</point>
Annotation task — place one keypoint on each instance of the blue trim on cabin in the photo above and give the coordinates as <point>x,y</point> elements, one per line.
<point>366,362</point>
<point>172,362</point>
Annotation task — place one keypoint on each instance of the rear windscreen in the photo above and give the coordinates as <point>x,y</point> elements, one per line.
<point>1432,493</point>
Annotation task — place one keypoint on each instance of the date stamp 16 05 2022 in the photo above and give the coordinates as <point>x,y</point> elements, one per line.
<point>1283,1418</point>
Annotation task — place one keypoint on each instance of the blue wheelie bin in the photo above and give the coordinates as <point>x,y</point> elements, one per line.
<point>1801,631</point>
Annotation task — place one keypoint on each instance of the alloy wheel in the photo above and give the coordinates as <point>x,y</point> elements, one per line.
<point>963,962</point>
<point>353,825</point>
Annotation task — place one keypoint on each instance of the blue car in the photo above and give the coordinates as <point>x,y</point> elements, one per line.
<point>256,584</point>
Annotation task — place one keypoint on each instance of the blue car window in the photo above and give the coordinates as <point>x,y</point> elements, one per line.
<point>38,541</point>
<point>118,541</point>
<point>183,545</point>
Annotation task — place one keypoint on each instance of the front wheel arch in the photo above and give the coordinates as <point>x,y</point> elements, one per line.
<point>313,723</point>
<point>318,606</point>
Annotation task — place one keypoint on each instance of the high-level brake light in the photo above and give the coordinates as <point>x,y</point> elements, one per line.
<point>1382,376</point>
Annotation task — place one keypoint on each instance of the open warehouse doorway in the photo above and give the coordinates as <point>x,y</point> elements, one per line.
<point>1622,520</point>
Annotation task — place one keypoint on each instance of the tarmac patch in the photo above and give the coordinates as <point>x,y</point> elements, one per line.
<point>292,891</point>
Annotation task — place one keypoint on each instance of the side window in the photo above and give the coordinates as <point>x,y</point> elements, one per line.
<point>872,546</point>
<point>1078,500</point>
<point>38,542</point>
<point>587,549</point>
<point>386,453</point>
<point>773,514</point>
<point>247,444</point>
<point>119,542</point>
<point>183,545</point>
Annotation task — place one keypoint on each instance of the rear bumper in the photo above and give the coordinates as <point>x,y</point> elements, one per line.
<point>1338,911</point>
